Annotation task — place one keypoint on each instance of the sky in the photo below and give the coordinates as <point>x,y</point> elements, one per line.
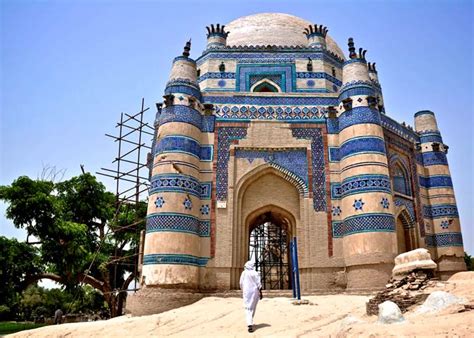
<point>69,68</point>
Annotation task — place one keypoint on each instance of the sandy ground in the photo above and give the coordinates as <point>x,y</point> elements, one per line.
<point>335,316</point>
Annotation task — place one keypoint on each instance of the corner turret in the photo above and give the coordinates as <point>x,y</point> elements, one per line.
<point>316,36</point>
<point>216,36</point>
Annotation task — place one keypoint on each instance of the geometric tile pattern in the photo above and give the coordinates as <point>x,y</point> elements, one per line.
<point>337,229</point>
<point>216,75</point>
<point>362,183</point>
<point>205,209</point>
<point>276,78</point>
<point>180,113</point>
<point>317,164</point>
<point>445,224</point>
<point>398,129</point>
<point>432,136</point>
<point>282,74</point>
<point>385,203</point>
<point>440,210</point>
<point>354,146</point>
<point>255,56</point>
<point>283,113</point>
<point>294,161</point>
<point>172,222</point>
<point>434,158</point>
<point>358,204</point>
<point>444,239</point>
<point>183,86</point>
<point>179,183</point>
<point>358,115</point>
<point>225,136</point>
<point>183,144</point>
<point>188,204</point>
<point>179,259</point>
<point>336,211</point>
<point>272,100</point>
<point>437,181</point>
<point>318,75</point>
<point>399,201</point>
<point>159,202</point>
<point>368,223</point>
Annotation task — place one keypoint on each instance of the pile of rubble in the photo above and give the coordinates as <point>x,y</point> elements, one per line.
<point>404,292</point>
<point>413,272</point>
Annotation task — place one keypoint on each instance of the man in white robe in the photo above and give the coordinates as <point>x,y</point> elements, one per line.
<point>252,291</point>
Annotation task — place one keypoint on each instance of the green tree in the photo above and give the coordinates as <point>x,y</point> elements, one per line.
<point>17,260</point>
<point>469,260</point>
<point>82,235</point>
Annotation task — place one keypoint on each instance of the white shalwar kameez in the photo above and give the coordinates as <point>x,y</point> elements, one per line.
<point>250,285</point>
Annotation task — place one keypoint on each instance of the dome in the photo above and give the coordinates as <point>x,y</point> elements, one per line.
<point>272,29</point>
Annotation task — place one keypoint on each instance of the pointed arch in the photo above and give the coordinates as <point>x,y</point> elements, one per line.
<point>400,176</point>
<point>265,85</point>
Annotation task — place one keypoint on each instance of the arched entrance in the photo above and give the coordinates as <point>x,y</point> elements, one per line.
<point>266,216</point>
<point>405,232</point>
<point>269,240</point>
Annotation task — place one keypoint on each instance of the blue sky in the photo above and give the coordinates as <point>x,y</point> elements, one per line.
<point>68,68</point>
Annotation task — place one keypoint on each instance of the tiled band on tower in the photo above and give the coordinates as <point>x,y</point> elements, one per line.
<point>178,226</point>
<point>272,124</point>
<point>440,212</point>
<point>368,225</point>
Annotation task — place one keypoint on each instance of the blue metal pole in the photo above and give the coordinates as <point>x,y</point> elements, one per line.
<point>297,272</point>
<point>292,268</point>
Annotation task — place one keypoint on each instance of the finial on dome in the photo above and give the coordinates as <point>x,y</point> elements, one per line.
<point>371,67</point>
<point>187,48</point>
<point>312,30</point>
<point>353,54</point>
<point>216,30</point>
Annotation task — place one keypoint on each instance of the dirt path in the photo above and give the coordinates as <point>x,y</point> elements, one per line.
<point>335,315</point>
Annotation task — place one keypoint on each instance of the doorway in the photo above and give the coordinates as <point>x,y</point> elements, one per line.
<point>269,249</point>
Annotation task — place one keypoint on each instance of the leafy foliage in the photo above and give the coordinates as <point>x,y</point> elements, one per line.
<point>469,260</point>
<point>17,260</point>
<point>82,234</point>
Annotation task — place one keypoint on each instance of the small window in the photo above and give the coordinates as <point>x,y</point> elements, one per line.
<point>265,87</point>
<point>333,71</point>
<point>198,72</point>
<point>400,180</point>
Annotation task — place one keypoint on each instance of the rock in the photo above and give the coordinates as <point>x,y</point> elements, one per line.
<point>390,313</point>
<point>412,260</point>
<point>438,301</point>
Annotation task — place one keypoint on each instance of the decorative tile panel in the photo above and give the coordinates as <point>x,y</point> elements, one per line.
<point>287,56</point>
<point>369,223</point>
<point>273,100</point>
<point>180,183</point>
<point>295,160</point>
<point>400,201</point>
<point>286,73</point>
<point>440,210</point>
<point>434,158</point>
<point>362,145</point>
<point>225,136</point>
<point>361,184</point>
<point>183,144</point>
<point>173,222</point>
<point>399,129</point>
<point>438,181</point>
<point>216,75</point>
<point>318,75</point>
<point>358,115</point>
<point>318,164</point>
<point>179,259</point>
<point>282,113</point>
<point>444,239</point>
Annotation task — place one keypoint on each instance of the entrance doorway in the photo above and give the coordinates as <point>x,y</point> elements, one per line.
<point>269,249</point>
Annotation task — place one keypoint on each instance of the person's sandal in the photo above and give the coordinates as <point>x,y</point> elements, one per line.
<point>250,328</point>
